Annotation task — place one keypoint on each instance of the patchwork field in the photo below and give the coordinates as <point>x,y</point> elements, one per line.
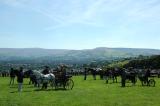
<point>84,93</point>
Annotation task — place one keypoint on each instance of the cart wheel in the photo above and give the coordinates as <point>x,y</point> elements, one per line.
<point>136,80</point>
<point>152,82</point>
<point>69,84</point>
<point>144,83</point>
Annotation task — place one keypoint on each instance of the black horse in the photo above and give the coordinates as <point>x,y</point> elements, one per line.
<point>93,72</point>
<point>29,74</point>
<point>128,75</point>
<point>143,76</point>
<point>112,74</point>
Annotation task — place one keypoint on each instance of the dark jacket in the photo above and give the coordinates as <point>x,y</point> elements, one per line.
<point>20,77</point>
<point>147,73</point>
<point>93,71</point>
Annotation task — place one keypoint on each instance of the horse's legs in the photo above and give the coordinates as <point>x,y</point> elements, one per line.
<point>30,81</point>
<point>116,78</point>
<point>13,81</point>
<point>123,82</point>
<point>133,81</point>
<point>94,77</point>
<point>64,83</point>
<point>113,78</point>
<point>10,80</point>
<point>45,85</point>
<point>38,83</point>
<point>107,78</point>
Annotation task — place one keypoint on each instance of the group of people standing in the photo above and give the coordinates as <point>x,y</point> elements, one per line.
<point>20,75</point>
<point>125,73</point>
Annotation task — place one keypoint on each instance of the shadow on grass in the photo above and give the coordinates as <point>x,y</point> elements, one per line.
<point>112,82</point>
<point>127,86</point>
<point>20,92</point>
<point>59,89</point>
<point>13,86</point>
<point>40,90</point>
<point>30,87</point>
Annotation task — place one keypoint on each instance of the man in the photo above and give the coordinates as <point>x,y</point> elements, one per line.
<point>146,76</point>
<point>107,75</point>
<point>85,73</point>
<point>12,76</point>
<point>123,77</point>
<point>20,79</point>
<point>93,71</point>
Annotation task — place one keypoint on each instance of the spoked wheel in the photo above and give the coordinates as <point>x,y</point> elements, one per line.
<point>152,82</point>
<point>69,84</point>
<point>144,83</point>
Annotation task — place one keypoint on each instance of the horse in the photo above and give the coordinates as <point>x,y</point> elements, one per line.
<point>128,75</point>
<point>42,79</point>
<point>29,74</point>
<point>143,76</point>
<point>112,74</point>
<point>93,72</point>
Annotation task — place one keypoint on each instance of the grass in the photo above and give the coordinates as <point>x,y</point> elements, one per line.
<point>84,93</point>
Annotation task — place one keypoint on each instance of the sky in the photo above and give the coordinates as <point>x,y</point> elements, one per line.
<point>79,24</point>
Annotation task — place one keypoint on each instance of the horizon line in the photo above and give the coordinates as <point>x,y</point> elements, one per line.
<point>76,49</point>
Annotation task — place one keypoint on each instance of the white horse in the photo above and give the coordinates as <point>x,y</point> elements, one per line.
<point>41,78</point>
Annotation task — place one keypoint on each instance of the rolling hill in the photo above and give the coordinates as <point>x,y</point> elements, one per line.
<point>101,53</point>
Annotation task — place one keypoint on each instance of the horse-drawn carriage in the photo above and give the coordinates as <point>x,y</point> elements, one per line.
<point>146,76</point>
<point>55,79</point>
<point>147,79</point>
<point>63,81</point>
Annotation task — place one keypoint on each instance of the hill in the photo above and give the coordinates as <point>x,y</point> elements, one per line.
<point>150,62</point>
<point>60,55</point>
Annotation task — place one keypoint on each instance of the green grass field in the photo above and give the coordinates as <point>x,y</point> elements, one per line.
<point>84,93</point>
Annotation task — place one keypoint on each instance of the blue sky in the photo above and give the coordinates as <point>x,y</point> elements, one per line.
<point>79,24</point>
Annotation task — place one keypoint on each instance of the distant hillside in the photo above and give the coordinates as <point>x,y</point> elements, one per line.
<point>149,62</point>
<point>102,53</point>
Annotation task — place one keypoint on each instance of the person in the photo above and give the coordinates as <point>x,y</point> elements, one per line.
<point>123,78</point>
<point>63,74</point>
<point>147,75</point>
<point>20,79</point>
<point>101,73</point>
<point>12,76</point>
<point>45,72</point>
<point>93,71</point>
<point>107,74</point>
<point>85,73</point>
